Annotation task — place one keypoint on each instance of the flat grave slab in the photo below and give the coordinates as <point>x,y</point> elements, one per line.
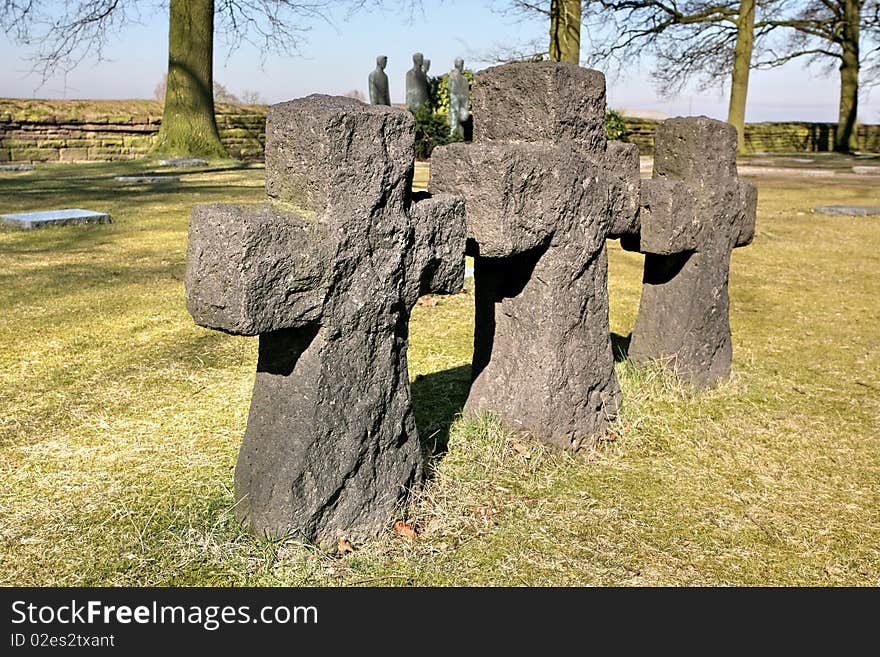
<point>66,217</point>
<point>852,210</point>
<point>17,167</point>
<point>746,169</point>
<point>865,169</point>
<point>185,162</point>
<point>147,179</point>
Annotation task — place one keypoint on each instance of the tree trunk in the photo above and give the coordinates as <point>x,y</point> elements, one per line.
<point>565,31</point>
<point>189,127</point>
<point>742,62</point>
<point>845,139</point>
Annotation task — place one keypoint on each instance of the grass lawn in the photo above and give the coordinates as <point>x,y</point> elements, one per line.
<point>120,420</point>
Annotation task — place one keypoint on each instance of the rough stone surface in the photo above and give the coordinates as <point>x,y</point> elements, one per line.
<point>326,275</point>
<point>543,189</point>
<point>852,210</point>
<point>541,102</point>
<point>694,212</point>
<point>67,217</point>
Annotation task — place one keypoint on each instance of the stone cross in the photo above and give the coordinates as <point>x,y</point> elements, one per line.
<point>693,213</point>
<point>543,189</point>
<point>326,273</point>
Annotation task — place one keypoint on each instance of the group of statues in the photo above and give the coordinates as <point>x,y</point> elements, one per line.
<point>418,89</point>
<point>327,271</point>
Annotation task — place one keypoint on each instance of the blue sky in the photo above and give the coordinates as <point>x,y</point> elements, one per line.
<point>337,58</point>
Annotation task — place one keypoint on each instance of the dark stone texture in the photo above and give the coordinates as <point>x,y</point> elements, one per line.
<point>540,102</point>
<point>286,289</point>
<point>327,280</point>
<point>543,190</point>
<point>321,153</point>
<point>694,212</point>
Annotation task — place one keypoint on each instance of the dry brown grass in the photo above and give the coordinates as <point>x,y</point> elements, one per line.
<point>120,420</point>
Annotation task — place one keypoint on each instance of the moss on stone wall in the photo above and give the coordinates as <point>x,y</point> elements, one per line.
<point>88,130</point>
<point>791,137</point>
<point>84,130</point>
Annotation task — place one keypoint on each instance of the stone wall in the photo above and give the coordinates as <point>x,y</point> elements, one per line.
<point>770,137</point>
<point>94,130</point>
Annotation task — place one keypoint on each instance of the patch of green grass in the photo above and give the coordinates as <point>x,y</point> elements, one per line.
<point>120,420</point>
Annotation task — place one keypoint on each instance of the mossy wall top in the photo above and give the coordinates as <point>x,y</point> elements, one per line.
<point>89,130</point>
<point>790,137</point>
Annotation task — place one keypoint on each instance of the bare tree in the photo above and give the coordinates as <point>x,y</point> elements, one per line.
<point>841,32</point>
<point>564,20</point>
<point>712,42</point>
<point>707,42</point>
<point>64,32</point>
<point>251,97</point>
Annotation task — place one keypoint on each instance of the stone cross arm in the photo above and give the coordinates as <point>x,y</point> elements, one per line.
<point>436,258</point>
<point>526,193</point>
<point>675,216</point>
<point>694,212</point>
<point>255,269</point>
<point>508,201</point>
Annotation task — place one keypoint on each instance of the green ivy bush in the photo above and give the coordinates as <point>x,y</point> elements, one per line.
<point>615,126</point>
<point>432,130</point>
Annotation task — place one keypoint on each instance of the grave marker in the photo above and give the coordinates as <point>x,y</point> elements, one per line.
<point>66,217</point>
<point>544,188</point>
<point>183,162</point>
<point>326,274</point>
<point>694,212</point>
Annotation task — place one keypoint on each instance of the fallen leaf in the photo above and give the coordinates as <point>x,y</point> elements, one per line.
<point>344,546</point>
<point>429,302</point>
<point>519,448</point>
<point>405,530</point>
<point>463,290</point>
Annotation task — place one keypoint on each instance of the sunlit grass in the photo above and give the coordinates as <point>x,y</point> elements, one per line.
<point>120,419</point>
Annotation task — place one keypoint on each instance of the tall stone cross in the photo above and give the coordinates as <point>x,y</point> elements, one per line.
<point>544,188</point>
<point>326,273</point>
<point>694,212</point>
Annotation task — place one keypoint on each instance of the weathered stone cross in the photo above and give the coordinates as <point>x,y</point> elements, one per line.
<point>694,212</point>
<point>326,274</point>
<point>543,188</point>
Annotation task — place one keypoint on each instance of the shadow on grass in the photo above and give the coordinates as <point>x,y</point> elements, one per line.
<point>620,347</point>
<point>76,184</point>
<point>437,400</point>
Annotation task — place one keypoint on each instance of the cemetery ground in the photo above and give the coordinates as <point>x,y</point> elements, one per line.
<point>120,419</point>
